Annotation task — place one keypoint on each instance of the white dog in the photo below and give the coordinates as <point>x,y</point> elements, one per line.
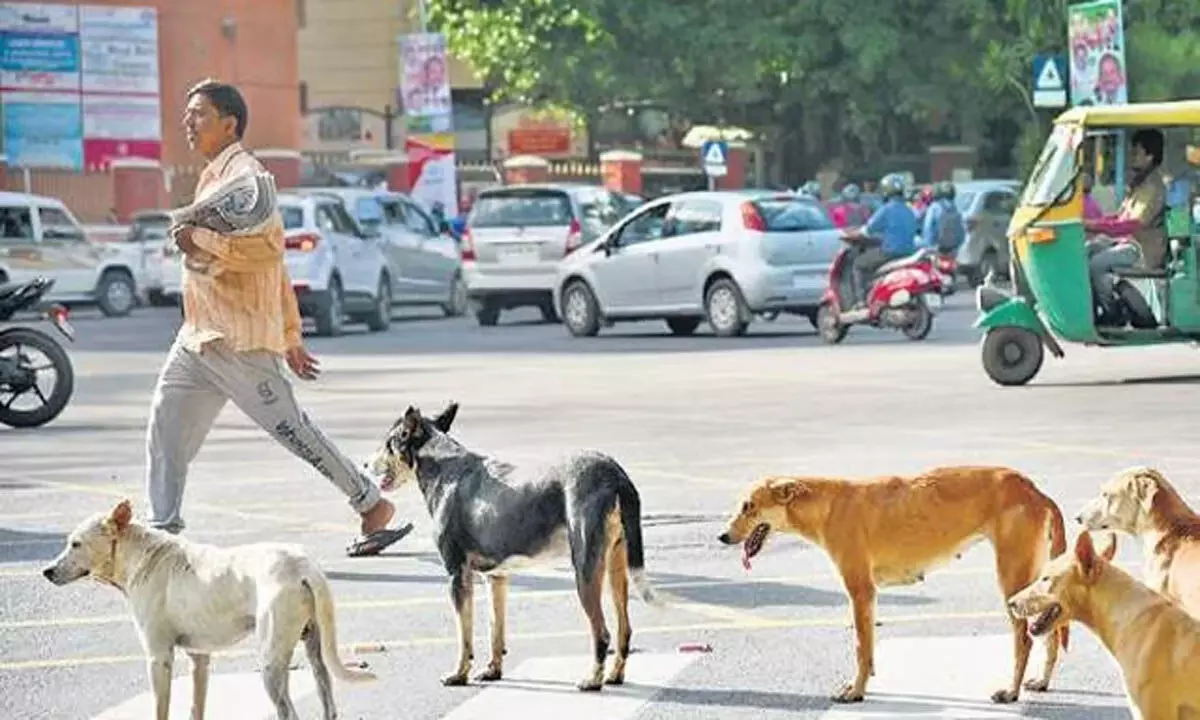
<point>203,599</point>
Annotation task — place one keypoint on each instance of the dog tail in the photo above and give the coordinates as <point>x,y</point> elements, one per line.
<point>325,625</point>
<point>630,504</point>
<point>1058,546</point>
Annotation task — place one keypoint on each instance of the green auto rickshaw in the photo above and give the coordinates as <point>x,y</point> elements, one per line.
<point>1052,297</point>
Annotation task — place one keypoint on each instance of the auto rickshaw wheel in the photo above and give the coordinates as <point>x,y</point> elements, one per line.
<point>1012,355</point>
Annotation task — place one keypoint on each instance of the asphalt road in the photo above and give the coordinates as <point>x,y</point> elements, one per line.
<point>694,420</point>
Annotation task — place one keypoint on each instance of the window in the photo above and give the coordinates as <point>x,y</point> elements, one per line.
<point>645,227</point>
<point>417,221</point>
<point>999,203</point>
<point>793,215</point>
<point>326,222</point>
<point>16,225</point>
<point>1050,181</point>
<point>963,201</point>
<point>695,216</point>
<point>393,212</point>
<point>293,216</point>
<point>522,208</point>
<point>58,225</point>
<point>368,212</point>
<point>342,220</point>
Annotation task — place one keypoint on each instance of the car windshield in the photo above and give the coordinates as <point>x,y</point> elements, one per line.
<point>963,201</point>
<point>1055,167</point>
<point>793,215</point>
<point>293,216</point>
<point>522,208</point>
<point>369,212</point>
<point>153,227</point>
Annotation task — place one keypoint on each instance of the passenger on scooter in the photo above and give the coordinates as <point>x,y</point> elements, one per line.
<point>893,227</point>
<point>943,229</point>
<point>1136,232</point>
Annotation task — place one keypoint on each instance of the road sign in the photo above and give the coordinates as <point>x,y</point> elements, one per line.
<point>714,154</point>
<point>1050,81</point>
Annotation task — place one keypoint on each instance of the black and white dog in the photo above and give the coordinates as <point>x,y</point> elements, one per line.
<point>488,518</point>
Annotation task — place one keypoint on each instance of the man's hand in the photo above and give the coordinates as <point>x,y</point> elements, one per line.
<point>182,235</point>
<point>304,365</point>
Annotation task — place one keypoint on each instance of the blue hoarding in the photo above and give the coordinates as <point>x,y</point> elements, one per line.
<point>43,132</point>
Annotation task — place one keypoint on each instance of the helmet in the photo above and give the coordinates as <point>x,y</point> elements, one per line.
<point>891,186</point>
<point>943,190</point>
<point>812,188</point>
<point>851,193</point>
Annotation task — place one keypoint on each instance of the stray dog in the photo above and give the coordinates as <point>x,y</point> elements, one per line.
<point>488,519</point>
<point>203,599</point>
<point>1140,502</point>
<point>891,531</point>
<point>1155,641</point>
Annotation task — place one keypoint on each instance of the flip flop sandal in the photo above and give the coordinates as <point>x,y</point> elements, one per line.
<point>378,541</point>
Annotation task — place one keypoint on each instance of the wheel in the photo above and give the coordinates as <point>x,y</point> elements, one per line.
<point>456,306</point>
<point>331,312</point>
<point>580,312</point>
<point>683,325</point>
<point>380,317</point>
<point>115,294</point>
<point>922,322</point>
<point>487,314</point>
<point>1012,355</point>
<point>16,344</point>
<point>828,327</point>
<point>726,309</point>
<point>548,312</point>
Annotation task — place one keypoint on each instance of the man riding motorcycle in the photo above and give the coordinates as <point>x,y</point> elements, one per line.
<point>888,235</point>
<point>943,229</point>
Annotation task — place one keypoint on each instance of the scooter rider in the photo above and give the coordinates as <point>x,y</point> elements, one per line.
<point>942,229</point>
<point>888,235</point>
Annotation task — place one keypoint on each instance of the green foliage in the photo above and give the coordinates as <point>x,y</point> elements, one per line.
<point>848,76</point>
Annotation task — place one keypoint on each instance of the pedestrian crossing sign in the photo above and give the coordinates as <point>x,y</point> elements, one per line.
<point>1049,81</point>
<point>714,155</point>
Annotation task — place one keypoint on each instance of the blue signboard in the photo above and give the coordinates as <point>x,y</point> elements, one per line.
<point>43,131</point>
<point>714,155</point>
<point>39,52</point>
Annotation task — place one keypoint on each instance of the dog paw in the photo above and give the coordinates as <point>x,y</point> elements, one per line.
<point>492,674</point>
<point>615,679</point>
<point>848,694</point>
<point>1037,685</point>
<point>1004,697</point>
<point>589,684</point>
<point>456,679</point>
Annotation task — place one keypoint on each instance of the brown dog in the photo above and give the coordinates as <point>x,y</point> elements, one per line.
<point>1140,502</point>
<point>891,531</point>
<point>1156,642</point>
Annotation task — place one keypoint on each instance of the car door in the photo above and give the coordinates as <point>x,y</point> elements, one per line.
<point>21,255</point>
<point>364,253</point>
<point>65,247</point>
<point>690,241</point>
<point>434,250</point>
<point>625,278</point>
<point>400,247</point>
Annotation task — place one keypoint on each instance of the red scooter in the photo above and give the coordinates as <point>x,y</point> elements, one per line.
<point>904,294</point>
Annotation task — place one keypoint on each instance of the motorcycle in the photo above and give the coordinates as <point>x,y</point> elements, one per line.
<point>905,294</point>
<point>20,372</point>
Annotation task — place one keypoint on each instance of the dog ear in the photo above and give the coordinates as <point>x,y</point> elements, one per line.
<point>1109,550</point>
<point>1145,485</point>
<point>1085,553</point>
<point>446,419</point>
<point>121,515</point>
<point>786,492</point>
<point>411,420</point>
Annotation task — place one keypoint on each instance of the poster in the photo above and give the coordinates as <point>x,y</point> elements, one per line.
<point>1096,41</point>
<point>431,171</point>
<point>424,75</point>
<point>119,46</point>
<point>43,130</point>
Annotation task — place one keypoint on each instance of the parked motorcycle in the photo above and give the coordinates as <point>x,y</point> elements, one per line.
<point>27,355</point>
<point>904,295</point>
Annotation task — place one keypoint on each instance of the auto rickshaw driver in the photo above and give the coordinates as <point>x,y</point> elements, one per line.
<point>1136,232</point>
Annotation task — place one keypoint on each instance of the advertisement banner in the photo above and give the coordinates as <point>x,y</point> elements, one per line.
<point>120,126</point>
<point>431,171</point>
<point>1096,41</point>
<point>119,46</point>
<point>43,130</point>
<point>39,61</point>
<point>424,75</point>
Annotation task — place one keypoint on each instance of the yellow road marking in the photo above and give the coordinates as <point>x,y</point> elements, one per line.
<point>387,645</point>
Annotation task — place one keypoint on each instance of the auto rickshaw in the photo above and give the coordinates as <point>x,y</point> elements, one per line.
<point>1052,298</point>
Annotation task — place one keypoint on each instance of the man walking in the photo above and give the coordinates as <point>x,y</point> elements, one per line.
<point>240,320</point>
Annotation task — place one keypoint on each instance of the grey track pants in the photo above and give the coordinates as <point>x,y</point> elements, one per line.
<point>191,391</point>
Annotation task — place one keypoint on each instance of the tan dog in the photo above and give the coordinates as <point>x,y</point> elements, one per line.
<point>891,531</point>
<point>1141,503</point>
<point>202,599</point>
<point>1156,642</point>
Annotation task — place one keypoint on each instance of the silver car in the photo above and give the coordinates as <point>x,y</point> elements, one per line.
<point>717,256</point>
<point>515,237</point>
<point>986,207</point>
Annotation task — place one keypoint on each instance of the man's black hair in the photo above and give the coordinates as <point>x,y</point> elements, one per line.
<point>227,100</point>
<point>1151,141</point>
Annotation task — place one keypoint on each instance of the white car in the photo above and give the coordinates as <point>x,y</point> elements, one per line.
<point>148,233</point>
<point>40,236</point>
<point>723,257</point>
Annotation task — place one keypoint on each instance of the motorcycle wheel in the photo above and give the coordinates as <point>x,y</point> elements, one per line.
<point>922,322</point>
<point>828,326</point>
<point>53,403</point>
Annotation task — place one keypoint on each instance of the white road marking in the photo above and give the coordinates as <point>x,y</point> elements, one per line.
<point>940,677</point>
<point>545,688</point>
<point>231,696</point>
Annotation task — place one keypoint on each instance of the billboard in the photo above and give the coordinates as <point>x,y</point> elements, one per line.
<point>428,115</point>
<point>91,72</point>
<point>1096,41</point>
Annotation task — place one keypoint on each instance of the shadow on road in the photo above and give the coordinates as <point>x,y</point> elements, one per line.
<point>749,595</point>
<point>1117,382</point>
<point>26,546</point>
<point>760,699</point>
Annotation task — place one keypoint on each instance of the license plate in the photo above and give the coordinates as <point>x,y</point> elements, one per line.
<point>518,254</point>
